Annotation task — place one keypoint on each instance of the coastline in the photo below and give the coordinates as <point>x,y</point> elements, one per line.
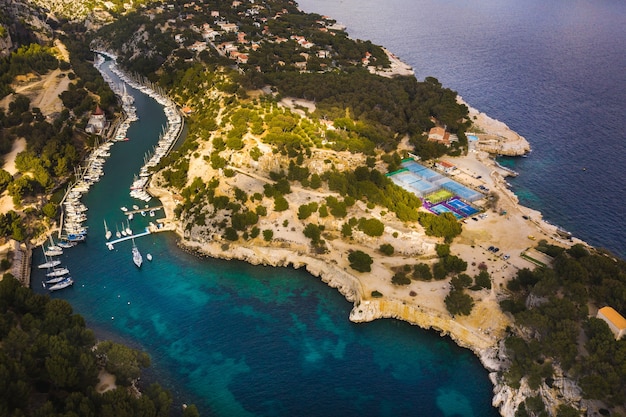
<point>482,332</point>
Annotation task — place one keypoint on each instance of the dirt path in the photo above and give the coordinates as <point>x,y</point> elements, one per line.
<point>45,90</point>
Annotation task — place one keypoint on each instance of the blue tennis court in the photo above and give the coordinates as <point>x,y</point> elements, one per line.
<point>440,208</point>
<point>464,208</point>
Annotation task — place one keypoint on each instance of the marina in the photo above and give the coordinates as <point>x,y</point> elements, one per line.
<point>74,211</point>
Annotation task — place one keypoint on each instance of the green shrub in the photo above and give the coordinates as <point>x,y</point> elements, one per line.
<point>371,227</point>
<point>386,249</point>
<point>360,261</point>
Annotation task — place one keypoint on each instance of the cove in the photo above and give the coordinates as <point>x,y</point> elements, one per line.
<point>243,340</point>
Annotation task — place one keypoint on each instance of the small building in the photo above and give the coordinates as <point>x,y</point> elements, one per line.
<point>97,122</point>
<point>616,322</point>
<point>228,27</point>
<point>439,134</point>
<point>198,46</point>
<point>445,166</point>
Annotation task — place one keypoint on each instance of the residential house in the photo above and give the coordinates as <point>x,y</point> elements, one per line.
<point>439,134</point>
<point>228,27</point>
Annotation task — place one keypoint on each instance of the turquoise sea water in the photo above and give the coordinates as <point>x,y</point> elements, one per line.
<point>554,71</point>
<point>242,340</point>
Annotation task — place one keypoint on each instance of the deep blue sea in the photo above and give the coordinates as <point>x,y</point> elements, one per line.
<point>554,71</point>
<point>242,340</point>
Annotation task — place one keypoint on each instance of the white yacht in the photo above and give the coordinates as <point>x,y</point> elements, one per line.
<point>137,258</point>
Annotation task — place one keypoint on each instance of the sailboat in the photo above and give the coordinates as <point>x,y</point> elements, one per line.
<point>53,246</point>
<point>65,244</point>
<point>137,258</point>
<point>55,280</point>
<point>107,232</point>
<point>117,232</point>
<point>58,272</point>
<point>49,263</point>
<point>53,250</point>
<point>129,232</point>
<point>62,284</point>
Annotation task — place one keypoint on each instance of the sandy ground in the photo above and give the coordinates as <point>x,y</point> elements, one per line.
<point>6,201</point>
<point>43,91</point>
<point>106,382</point>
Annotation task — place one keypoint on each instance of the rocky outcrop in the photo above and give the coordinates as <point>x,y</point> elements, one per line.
<point>6,44</point>
<point>494,136</point>
<point>500,145</point>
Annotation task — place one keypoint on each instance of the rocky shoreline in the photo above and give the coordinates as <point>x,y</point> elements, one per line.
<point>483,332</point>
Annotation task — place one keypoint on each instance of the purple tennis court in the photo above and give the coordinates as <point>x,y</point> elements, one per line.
<point>441,208</point>
<point>463,208</point>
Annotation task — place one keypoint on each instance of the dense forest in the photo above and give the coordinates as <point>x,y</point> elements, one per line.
<point>56,144</point>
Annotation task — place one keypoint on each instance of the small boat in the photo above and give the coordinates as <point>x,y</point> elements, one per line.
<point>66,245</point>
<point>53,250</point>
<point>135,207</point>
<point>137,258</point>
<point>130,216</point>
<point>62,284</point>
<point>110,246</point>
<point>123,208</point>
<point>56,252</point>
<point>143,213</point>
<point>55,280</point>
<point>149,257</point>
<point>58,272</point>
<point>151,213</point>
<point>72,237</point>
<point>107,232</point>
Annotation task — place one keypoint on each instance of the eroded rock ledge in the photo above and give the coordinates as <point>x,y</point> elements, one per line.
<point>494,136</point>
